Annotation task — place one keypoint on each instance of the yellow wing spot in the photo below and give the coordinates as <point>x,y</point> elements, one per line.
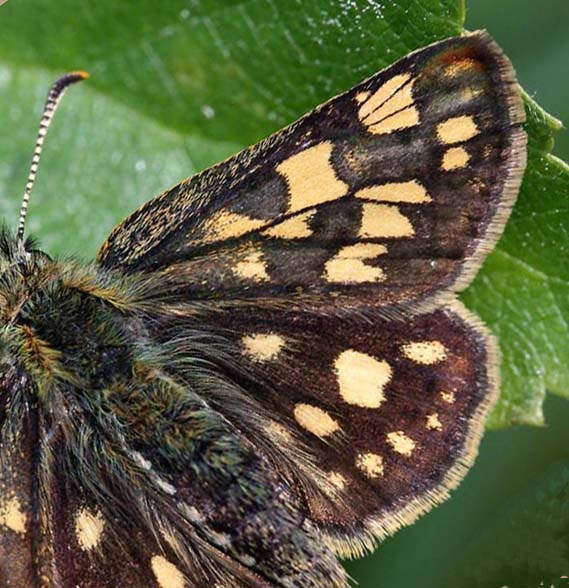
<point>370,464</point>
<point>252,267</point>
<point>457,129</point>
<point>448,397</point>
<point>433,422</point>
<point>337,480</point>
<point>88,529</point>
<point>399,101</point>
<point>296,227</point>
<point>425,352</point>
<point>383,94</point>
<point>229,225</point>
<point>390,108</point>
<point>402,120</point>
<point>311,178</point>
<point>263,346</point>
<point>401,443</point>
<point>167,574</point>
<point>412,192</point>
<point>362,96</point>
<point>12,517</point>
<point>362,378</point>
<point>348,266</point>
<point>455,158</point>
<point>384,221</point>
<point>315,420</point>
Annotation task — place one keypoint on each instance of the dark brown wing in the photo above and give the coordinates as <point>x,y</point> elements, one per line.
<point>393,191</point>
<point>390,410</point>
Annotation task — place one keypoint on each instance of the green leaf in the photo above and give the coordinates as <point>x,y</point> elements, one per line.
<point>179,85</point>
<point>523,290</point>
<point>527,545</point>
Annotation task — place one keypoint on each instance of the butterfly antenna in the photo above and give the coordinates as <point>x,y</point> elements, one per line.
<point>53,98</point>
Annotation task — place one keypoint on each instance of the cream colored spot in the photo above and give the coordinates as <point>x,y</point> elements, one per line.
<point>361,96</point>
<point>348,266</point>
<point>370,464</point>
<point>229,225</point>
<point>292,228</point>
<point>402,120</point>
<point>455,158</point>
<point>433,422</point>
<point>448,397</point>
<point>252,267</point>
<point>401,443</point>
<point>315,420</point>
<point>384,221</point>
<point>381,96</point>
<point>12,517</point>
<point>88,528</point>
<point>457,129</point>
<point>166,573</point>
<point>362,378</point>
<point>425,352</point>
<point>311,178</point>
<point>402,99</point>
<point>263,346</point>
<point>390,108</point>
<point>412,192</point>
<point>337,480</point>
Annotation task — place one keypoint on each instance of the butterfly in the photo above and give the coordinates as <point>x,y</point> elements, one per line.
<point>267,367</point>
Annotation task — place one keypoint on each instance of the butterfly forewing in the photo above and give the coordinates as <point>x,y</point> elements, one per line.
<point>387,193</point>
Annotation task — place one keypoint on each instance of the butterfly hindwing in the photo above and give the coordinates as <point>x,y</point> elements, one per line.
<point>390,410</point>
<point>392,191</point>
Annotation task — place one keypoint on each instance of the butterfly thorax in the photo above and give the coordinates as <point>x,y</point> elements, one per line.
<point>62,321</point>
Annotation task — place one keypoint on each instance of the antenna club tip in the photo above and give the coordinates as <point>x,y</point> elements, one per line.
<point>76,76</point>
<point>68,79</point>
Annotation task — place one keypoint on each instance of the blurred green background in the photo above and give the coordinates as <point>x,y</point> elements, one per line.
<point>177,85</point>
